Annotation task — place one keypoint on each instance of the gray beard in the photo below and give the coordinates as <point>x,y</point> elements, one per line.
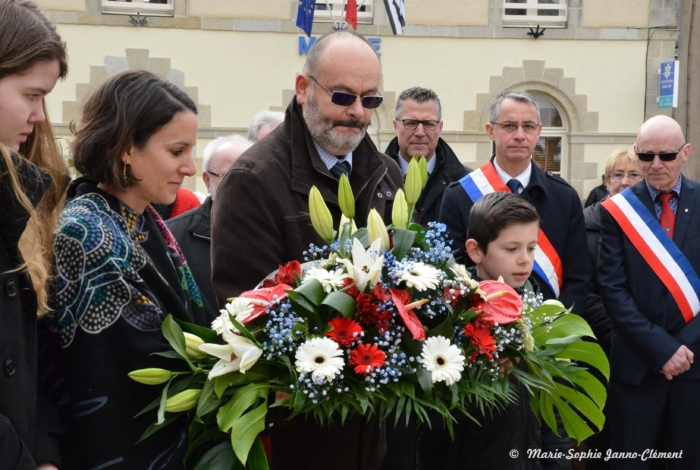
<point>322,129</point>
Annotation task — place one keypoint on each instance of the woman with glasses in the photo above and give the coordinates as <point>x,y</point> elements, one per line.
<point>119,271</point>
<point>622,170</point>
<point>32,184</point>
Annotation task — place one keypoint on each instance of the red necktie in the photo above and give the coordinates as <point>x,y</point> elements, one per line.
<point>668,218</point>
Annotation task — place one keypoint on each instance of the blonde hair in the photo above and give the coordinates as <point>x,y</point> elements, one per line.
<point>624,156</point>
<point>27,38</point>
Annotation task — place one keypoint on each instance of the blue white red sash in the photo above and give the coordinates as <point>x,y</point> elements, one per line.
<point>658,250</point>
<point>548,265</point>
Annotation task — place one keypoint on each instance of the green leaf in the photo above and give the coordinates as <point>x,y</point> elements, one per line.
<point>313,291</point>
<point>209,336</point>
<point>565,325</point>
<point>341,302</point>
<point>168,354</point>
<point>547,410</point>
<point>425,378</point>
<point>208,401</point>
<point>246,429</point>
<point>173,333</point>
<point>257,459</point>
<point>361,234</point>
<point>154,427</point>
<point>583,404</point>
<point>220,457</point>
<point>591,386</point>
<point>245,332</point>
<point>244,398</point>
<point>445,329</point>
<point>163,399</point>
<point>403,241</point>
<point>574,425</point>
<point>258,373</point>
<point>590,353</point>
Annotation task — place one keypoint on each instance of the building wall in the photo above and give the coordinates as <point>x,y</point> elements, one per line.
<point>237,57</point>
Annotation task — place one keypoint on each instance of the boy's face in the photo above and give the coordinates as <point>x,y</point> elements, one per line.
<point>511,255</point>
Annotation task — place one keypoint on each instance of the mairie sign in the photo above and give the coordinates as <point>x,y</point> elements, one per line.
<point>668,85</point>
<point>305,45</point>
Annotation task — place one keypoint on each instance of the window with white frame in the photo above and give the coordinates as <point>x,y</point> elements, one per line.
<point>333,11</point>
<point>549,148</point>
<point>143,7</point>
<point>529,13</point>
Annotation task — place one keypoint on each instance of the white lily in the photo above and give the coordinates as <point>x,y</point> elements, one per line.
<point>366,266</point>
<point>238,353</point>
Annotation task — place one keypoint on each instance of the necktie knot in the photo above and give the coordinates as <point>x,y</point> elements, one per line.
<point>340,168</point>
<point>665,198</point>
<point>514,186</point>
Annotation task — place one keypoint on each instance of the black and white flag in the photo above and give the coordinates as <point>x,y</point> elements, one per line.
<point>397,15</point>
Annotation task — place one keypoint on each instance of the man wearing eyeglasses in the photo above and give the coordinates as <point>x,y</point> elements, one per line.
<point>192,230</point>
<point>648,264</point>
<point>260,218</point>
<point>418,125</point>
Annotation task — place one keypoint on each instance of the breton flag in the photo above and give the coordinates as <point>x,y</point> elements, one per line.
<point>397,15</point>
<point>305,15</point>
<point>351,13</point>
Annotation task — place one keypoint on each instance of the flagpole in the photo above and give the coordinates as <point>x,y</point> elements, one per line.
<point>345,9</point>
<point>332,15</point>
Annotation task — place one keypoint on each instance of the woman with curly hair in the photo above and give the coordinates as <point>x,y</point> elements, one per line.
<point>33,179</point>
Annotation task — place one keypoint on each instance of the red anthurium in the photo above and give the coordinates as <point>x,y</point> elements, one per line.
<point>265,295</point>
<point>285,275</point>
<point>410,319</point>
<point>482,339</point>
<point>502,304</point>
<point>344,330</point>
<point>366,358</point>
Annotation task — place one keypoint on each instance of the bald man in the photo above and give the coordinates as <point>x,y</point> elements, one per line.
<point>261,217</point>
<point>648,264</point>
<point>192,230</point>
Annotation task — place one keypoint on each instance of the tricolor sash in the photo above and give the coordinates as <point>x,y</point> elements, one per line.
<point>548,266</point>
<point>658,250</point>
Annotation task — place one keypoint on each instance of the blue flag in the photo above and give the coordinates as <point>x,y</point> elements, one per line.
<point>305,15</point>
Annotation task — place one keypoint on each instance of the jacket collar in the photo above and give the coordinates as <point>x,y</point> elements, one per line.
<point>200,222</point>
<point>447,162</point>
<point>308,169</point>
<point>538,178</point>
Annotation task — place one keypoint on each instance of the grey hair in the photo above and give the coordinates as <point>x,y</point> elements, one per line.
<point>264,118</point>
<point>316,51</point>
<point>216,143</point>
<point>419,95</point>
<point>517,95</point>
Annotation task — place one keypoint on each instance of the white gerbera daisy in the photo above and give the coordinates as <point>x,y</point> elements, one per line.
<point>239,309</point>
<point>443,359</point>
<point>330,280</point>
<point>421,276</point>
<point>320,357</point>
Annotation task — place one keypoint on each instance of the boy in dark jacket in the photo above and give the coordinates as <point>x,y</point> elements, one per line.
<point>501,242</point>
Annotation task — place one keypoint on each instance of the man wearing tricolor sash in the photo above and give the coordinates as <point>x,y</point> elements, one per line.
<point>561,263</point>
<point>648,264</point>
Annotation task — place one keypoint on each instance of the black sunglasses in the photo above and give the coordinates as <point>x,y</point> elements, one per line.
<point>664,157</point>
<point>346,99</point>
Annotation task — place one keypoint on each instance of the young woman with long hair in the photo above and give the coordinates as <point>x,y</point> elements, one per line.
<point>33,179</point>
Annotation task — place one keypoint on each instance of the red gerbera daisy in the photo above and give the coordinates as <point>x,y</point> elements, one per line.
<point>482,339</point>
<point>366,358</point>
<point>344,330</point>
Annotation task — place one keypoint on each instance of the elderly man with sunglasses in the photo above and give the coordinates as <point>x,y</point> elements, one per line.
<point>648,268</point>
<point>260,216</point>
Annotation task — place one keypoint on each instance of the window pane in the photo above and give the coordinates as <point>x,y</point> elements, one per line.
<point>547,154</point>
<point>549,114</point>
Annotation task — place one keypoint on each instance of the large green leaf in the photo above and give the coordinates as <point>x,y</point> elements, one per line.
<point>425,378</point>
<point>173,333</point>
<point>257,460</point>
<point>313,291</point>
<point>220,457</point>
<point>565,325</point>
<point>243,399</point>
<point>403,241</point>
<point>590,353</point>
<point>341,302</point>
<point>208,400</point>
<point>591,386</point>
<point>245,430</point>
<point>361,234</point>
<point>209,336</point>
<point>574,425</point>
<point>258,373</point>
<point>583,404</point>
<point>445,329</point>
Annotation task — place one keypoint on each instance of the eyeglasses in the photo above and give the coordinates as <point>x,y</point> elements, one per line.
<point>412,124</point>
<point>218,175</point>
<point>346,99</point>
<point>664,156</point>
<point>632,175</point>
<point>509,126</point>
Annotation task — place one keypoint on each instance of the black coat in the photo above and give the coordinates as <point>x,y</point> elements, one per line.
<point>649,327</point>
<point>192,230</point>
<point>561,219</point>
<point>597,194</point>
<point>24,437</point>
<point>448,169</point>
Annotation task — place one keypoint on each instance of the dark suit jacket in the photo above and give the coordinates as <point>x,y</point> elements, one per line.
<point>561,219</point>
<point>649,327</point>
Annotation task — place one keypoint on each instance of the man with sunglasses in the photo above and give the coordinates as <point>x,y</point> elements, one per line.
<point>260,218</point>
<point>418,125</point>
<point>648,264</point>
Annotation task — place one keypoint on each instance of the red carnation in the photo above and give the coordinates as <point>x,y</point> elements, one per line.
<point>366,358</point>
<point>482,339</point>
<point>344,330</point>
